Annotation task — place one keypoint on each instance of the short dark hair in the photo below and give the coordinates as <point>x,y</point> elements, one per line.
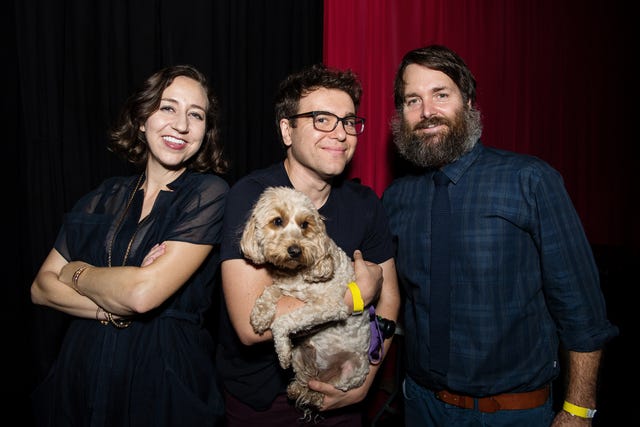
<point>440,58</point>
<point>295,86</point>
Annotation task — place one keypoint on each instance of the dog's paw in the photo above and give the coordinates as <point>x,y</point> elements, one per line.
<point>283,349</point>
<point>259,322</point>
<point>282,344</point>
<point>304,397</point>
<point>259,327</point>
<point>285,359</point>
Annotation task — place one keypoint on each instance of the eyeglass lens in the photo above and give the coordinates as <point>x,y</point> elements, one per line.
<point>327,122</point>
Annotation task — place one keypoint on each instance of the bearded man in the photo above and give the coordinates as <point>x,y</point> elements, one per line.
<point>518,275</point>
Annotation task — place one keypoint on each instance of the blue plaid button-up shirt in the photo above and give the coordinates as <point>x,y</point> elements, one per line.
<point>523,275</point>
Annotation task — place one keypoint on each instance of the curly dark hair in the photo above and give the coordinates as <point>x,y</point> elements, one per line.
<point>440,58</point>
<point>128,141</point>
<point>298,85</point>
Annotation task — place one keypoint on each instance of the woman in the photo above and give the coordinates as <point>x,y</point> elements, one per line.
<point>137,352</point>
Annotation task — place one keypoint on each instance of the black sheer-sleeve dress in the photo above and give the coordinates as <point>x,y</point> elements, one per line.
<point>158,371</point>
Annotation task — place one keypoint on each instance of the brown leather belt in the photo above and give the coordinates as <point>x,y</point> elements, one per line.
<point>526,400</point>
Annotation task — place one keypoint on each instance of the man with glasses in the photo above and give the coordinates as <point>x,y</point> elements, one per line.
<point>316,119</point>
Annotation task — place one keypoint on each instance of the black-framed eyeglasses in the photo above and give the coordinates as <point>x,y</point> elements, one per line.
<point>325,121</point>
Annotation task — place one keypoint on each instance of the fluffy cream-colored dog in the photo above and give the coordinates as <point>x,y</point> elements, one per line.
<point>321,340</point>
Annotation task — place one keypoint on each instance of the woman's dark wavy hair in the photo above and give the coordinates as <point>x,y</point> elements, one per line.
<point>440,58</point>
<point>300,84</point>
<point>129,142</point>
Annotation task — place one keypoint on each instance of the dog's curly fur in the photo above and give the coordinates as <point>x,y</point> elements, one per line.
<point>321,340</point>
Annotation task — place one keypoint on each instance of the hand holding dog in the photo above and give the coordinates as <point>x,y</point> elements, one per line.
<point>335,398</point>
<point>368,278</point>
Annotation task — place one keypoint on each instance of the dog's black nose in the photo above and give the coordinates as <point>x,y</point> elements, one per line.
<point>294,251</point>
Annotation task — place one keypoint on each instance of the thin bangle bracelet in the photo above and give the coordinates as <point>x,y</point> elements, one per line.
<point>76,276</point>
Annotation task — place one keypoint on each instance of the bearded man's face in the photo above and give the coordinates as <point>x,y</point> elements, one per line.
<point>435,126</point>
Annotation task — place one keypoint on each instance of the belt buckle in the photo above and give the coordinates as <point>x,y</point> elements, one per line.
<point>488,405</point>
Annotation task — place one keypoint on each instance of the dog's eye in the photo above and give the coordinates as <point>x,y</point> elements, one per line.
<point>277,222</point>
<point>304,225</point>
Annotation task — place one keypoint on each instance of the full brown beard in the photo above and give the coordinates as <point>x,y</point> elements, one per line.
<point>444,147</point>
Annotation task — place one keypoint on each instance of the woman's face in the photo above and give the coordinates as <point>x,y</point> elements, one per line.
<point>175,131</point>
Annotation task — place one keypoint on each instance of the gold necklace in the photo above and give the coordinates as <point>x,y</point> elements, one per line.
<point>120,221</point>
<point>123,323</point>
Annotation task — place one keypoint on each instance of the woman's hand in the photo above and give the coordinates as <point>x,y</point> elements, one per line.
<point>157,250</point>
<point>67,272</point>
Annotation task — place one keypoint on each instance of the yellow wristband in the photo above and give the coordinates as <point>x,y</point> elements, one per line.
<point>578,411</point>
<point>358,303</point>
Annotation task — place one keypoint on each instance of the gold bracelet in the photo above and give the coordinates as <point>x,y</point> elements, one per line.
<point>118,323</point>
<point>76,276</point>
<point>103,321</point>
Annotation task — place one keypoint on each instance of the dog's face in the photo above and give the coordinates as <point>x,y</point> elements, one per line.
<point>285,230</point>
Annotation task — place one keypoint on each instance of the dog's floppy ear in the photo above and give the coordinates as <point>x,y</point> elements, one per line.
<point>250,242</point>
<point>323,269</point>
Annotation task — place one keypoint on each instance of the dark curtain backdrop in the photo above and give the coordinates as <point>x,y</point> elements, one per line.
<point>554,81</point>
<point>72,64</point>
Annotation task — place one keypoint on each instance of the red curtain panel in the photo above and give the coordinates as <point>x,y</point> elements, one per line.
<point>553,80</point>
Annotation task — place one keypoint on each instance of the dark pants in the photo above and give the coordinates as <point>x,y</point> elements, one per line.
<point>422,408</point>
<point>282,413</point>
